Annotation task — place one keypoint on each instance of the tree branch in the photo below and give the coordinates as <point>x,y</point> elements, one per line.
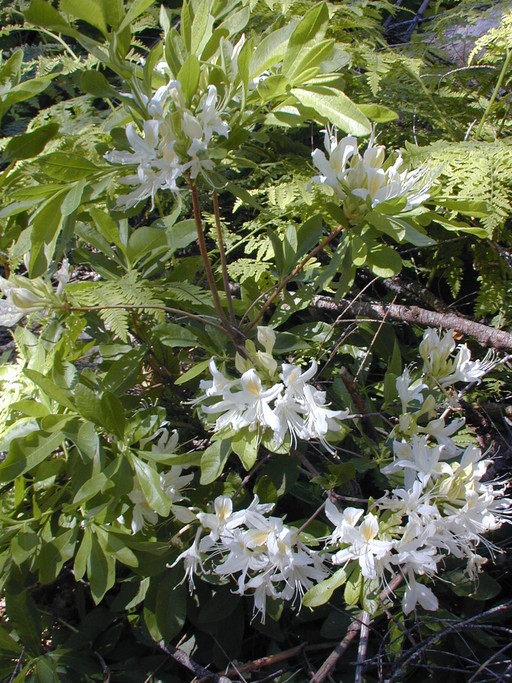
<point>485,335</point>
<point>185,661</point>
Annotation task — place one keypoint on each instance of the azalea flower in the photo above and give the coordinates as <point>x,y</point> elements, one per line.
<point>370,179</point>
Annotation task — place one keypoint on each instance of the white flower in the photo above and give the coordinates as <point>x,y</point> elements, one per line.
<point>365,547</point>
<point>368,178</point>
<point>418,593</point>
<point>142,512</point>
<point>341,520</point>
<point>319,419</point>
<point>407,391</point>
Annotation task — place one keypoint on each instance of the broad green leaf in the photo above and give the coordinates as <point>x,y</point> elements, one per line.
<point>42,13</point>
<point>353,586</point>
<point>24,545</point>
<point>145,240</point>
<point>334,106</point>
<point>173,335</point>
<point>53,391</point>
<point>149,481</point>
<point>137,7</point>
<point>309,59</point>
<point>112,415</point>
<point>82,555</point>
<point>270,50</point>
<point>165,606</point>
<point>30,144</point>
<point>312,25</point>
<point>46,225</point>
<point>95,83</point>
<point>235,22</point>
<point>188,75</point>
<point>55,553</point>
<point>7,642</point>
<point>10,71</point>
<point>378,113</point>
<point>94,484</point>
<point>46,670</point>
<point>246,445</point>
<point>123,373</point>
<point>24,618</point>
<point>201,29</point>
<point>27,453</point>
<point>92,12</point>
<point>322,592</point>
<point>67,166</point>
<point>383,260</point>
<point>213,461</point>
<point>73,198</point>
<point>100,570</point>
<point>194,372</point>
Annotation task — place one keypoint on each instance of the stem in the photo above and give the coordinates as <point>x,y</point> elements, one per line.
<point>494,92</point>
<point>223,261</point>
<point>204,257</point>
<point>293,274</point>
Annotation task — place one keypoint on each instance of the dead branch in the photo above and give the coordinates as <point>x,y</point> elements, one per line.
<point>195,668</point>
<point>352,632</point>
<point>485,335</point>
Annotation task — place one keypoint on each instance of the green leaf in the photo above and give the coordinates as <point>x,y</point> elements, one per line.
<point>322,592</point>
<point>27,453</point>
<point>112,414</point>
<point>24,618</point>
<point>54,554</point>
<point>383,260</point>
<point>246,445</point>
<point>165,606</point>
<point>311,26</point>
<point>100,570</point>
<point>95,83</point>
<point>30,144</point>
<point>353,586</point>
<point>149,481</point>
<point>42,13</point>
<point>378,113</point>
<point>201,29</point>
<point>91,12</point>
<point>10,72</point>
<point>270,50</point>
<point>137,7</point>
<point>145,240</point>
<point>213,461</point>
<point>189,77</point>
<point>173,335</point>
<point>46,670</point>
<point>7,642</point>
<point>123,373</point>
<point>67,166</point>
<point>82,555</point>
<point>194,372</point>
<point>49,387</point>
<point>334,106</point>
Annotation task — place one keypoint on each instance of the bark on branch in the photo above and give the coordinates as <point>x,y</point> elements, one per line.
<point>485,335</point>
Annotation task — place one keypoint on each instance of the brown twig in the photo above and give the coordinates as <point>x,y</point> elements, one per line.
<point>223,262</point>
<point>263,662</point>
<point>363,645</point>
<point>352,632</point>
<point>485,335</point>
<point>195,668</point>
<point>204,256</point>
<point>320,247</point>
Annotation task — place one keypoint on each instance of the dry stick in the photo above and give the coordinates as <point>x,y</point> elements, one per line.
<point>487,336</point>
<point>204,256</point>
<point>352,632</point>
<point>267,661</point>
<point>185,661</point>
<point>292,275</point>
<point>223,262</point>
<point>363,645</point>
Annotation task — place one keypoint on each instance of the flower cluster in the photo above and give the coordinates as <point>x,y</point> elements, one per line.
<point>174,141</point>
<point>24,296</point>
<point>437,350</point>
<point>441,505</point>
<point>363,182</point>
<point>291,407</point>
<point>266,556</point>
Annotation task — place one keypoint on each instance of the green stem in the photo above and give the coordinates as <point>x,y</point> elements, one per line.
<point>494,92</point>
